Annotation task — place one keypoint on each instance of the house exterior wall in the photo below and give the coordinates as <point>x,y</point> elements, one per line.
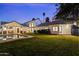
<point>62,29</point>
<point>66,29</point>
<point>15,28</point>
<point>40,28</point>
<point>54,29</point>
<point>57,28</point>
<point>31,26</point>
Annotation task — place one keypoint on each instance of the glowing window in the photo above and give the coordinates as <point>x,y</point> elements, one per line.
<point>55,28</point>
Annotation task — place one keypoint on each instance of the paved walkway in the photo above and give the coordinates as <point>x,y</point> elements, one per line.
<point>8,40</point>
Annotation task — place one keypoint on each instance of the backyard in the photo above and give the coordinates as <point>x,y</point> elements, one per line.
<point>42,45</point>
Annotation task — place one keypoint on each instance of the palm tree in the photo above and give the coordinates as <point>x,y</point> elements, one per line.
<point>44,16</point>
<point>43,13</point>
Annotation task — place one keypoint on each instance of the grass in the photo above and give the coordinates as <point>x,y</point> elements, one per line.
<point>43,45</point>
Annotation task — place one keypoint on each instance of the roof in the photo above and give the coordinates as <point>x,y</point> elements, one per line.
<point>26,23</point>
<point>51,23</point>
<point>3,22</point>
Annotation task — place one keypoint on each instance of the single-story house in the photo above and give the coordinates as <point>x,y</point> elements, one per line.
<point>56,27</point>
<point>16,29</point>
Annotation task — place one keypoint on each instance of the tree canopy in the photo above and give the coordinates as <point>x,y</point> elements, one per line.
<point>68,10</point>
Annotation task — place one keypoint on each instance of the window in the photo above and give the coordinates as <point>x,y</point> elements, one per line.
<point>55,28</point>
<point>21,32</point>
<point>10,32</point>
<point>0,32</point>
<point>4,27</point>
<point>10,27</point>
<point>32,24</point>
<point>4,32</point>
<point>24,32</point>
<point>17,30</point>
<point>60,28</point>
<point>29,25</point>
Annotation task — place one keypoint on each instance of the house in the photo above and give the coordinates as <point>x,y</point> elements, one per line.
<point>17,30</point>
<point>56,27</point>
<point>31,25</point>
<point>12,29</point>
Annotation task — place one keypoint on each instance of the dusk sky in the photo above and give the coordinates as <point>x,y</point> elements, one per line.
<point>25,12</point>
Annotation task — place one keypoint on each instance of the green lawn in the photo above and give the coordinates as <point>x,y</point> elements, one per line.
<point>43,45</point>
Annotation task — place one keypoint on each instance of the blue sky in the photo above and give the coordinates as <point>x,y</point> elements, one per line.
<point>25,12</point>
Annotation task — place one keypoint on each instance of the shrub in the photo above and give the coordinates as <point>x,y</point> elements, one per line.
<point>43,31</point>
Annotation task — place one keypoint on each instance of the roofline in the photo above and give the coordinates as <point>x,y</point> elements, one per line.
<point>13,21</point>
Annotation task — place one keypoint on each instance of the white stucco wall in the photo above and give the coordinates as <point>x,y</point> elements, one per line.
<point>66,28</point>
<point>62,29</point>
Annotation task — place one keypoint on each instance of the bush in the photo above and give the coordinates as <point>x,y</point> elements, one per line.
<point>35,31</point>
<point>75,30</point>
<point>43,31</point>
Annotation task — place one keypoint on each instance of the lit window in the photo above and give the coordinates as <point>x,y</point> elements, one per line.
<point>17,30</point>
<point>32,24</point>
<point>60,28</point>
<point>29,25</point>
<point>4,27</point>
<point>10,27</point>
<point>55,28</point>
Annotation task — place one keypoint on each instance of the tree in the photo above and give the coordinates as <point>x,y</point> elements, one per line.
<point>33,19</point>
<point>68,11</point>
<point>47,19</point>
<point>43,13</point>
<point>43,16</point>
